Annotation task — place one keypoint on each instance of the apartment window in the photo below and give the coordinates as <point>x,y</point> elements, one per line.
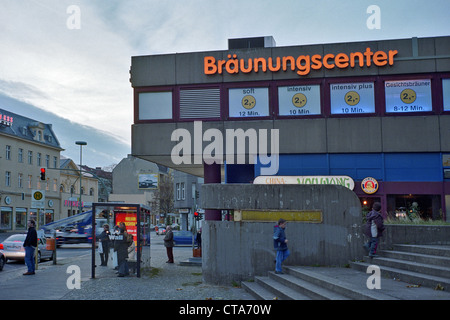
<point>178,190</point>
<point>47,161</point>
<point>8,178</point>
<point>20,180</point>
<point>183,191</point>
<point>30,157</point>
<point>39,159</point>
<point>55,162</point>
<point>30,180</point>
<point>8,153</point>
<point>20,155</point>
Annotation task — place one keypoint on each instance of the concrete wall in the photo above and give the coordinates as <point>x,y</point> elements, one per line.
<point>235,251</point>
<point>414,234</point>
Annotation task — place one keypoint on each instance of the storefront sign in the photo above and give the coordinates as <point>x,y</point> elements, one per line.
<point>301,64</point>
<point>446,93</point>
<point>249,102</point>
<point>299,100</point>
<point>345,181</point>
<point>369,185</point>
<point>6,120</point>
<point>408,96</point>
<point>351,98</point>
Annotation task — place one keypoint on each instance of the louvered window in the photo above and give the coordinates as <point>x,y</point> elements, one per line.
<point>201,103</point>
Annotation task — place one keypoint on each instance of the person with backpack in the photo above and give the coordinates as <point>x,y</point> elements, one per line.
<point>373,229</point>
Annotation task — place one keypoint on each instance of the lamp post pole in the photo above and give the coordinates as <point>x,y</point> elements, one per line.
<point>81,144</point>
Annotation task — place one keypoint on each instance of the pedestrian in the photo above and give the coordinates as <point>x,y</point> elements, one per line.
<point>30,244</point>
<point>280,244</point>
<point>168,243</point>
<point>373,229</point>
<point>103,245</point>
<point>121,247</point>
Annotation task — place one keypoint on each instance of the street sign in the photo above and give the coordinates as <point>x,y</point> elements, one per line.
<point>38,199</point>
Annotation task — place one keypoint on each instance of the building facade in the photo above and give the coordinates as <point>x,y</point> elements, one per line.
<point>187,197</point>
<point>71,201</point>
<point>377,112</point>
<point>27,146</point>
<point>142,182</point>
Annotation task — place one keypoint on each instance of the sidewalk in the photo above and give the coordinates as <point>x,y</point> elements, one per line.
<point>163,282</point>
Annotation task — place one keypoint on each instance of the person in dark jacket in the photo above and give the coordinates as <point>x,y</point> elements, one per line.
<point>280,244</point>
<point>373,229</point>
<point>121,247</point>
<point>103,238</point>
<point>30,244</point>
<point>168,243</point>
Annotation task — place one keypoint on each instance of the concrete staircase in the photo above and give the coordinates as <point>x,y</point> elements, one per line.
<point>421,269</point>
<point>423,265</point>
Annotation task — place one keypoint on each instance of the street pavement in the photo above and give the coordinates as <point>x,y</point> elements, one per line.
<point>162,281</point>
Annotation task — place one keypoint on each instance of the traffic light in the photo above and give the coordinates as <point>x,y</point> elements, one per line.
<point>198,216</point>
<point>42,173</point>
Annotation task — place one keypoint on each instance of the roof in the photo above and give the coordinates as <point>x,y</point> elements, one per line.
<point>18,126</point>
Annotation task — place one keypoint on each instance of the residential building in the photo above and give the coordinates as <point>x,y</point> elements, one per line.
<point>26,146</point>
<point>71,201</point>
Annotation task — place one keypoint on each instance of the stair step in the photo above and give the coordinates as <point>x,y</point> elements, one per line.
<point>309,289</point>
<point>423,268</point>
<point>279,290</point>
<point>405,275</point>
<point>436,250</point>
<point>258,291</point>
<point>354,289</point>
<point>416,257</point>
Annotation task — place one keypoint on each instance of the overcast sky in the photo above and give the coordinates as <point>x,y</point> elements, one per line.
<point>82,74</point>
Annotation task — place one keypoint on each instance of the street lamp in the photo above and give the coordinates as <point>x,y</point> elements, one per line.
<point>81,144</point>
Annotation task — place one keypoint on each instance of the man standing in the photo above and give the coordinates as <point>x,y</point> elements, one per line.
<point>30,244</point>
<point>168,243</point>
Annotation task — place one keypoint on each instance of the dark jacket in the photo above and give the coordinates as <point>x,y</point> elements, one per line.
<point>121,246</point>
<point>376,217</point>
<point>168,239</point>
<point>279,238</point>
<point>31,240</point>
<point>104,238</point>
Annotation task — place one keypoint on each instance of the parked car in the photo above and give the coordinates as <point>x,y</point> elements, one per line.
<point>182,237</point>
<point>161,231</point>
<point>2,261</point>
<point>12,248</point>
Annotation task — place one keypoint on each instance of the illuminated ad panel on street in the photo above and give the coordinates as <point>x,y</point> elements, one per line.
<point>408,96</point>
<point>352,98</point>
<point>446,93</point>
<point>299,100</point>
<point>155,105</point>
<point>249,102</point>
<point>130,220</point>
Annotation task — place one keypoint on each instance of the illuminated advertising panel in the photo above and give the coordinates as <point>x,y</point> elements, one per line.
<point>299,100</point>
<point>408,96</point>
